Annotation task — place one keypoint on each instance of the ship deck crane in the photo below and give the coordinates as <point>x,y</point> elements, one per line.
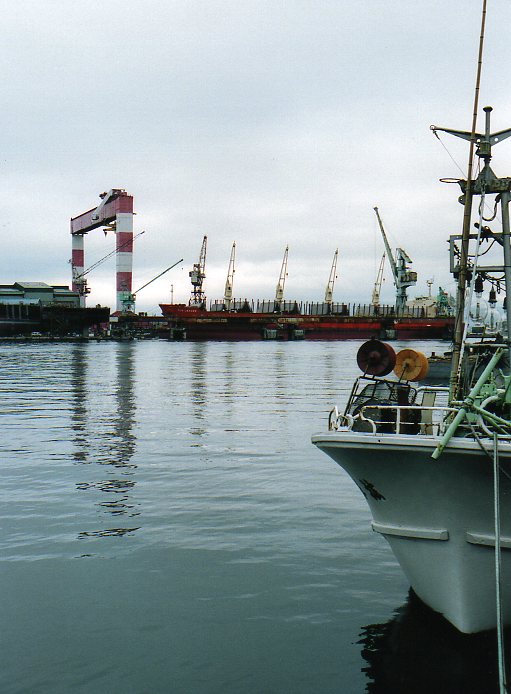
<point>230,279</point>
<point>197,276</point>
<point>375,300</point>
<point>329,291</point>
<point>403,276</point>
<point>279,291</point>
<point>129,301</point>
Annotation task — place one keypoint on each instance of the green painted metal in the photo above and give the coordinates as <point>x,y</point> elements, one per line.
<point>468,403</point>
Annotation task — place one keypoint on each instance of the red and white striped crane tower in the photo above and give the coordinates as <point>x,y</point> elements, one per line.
<point>115,211</point>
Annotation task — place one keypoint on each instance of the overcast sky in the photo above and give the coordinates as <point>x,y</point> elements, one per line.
<point>265,122</point>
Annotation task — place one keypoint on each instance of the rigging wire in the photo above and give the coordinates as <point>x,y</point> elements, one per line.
<point>468,300</point>
<point>498,570</point>
<point>108,255</point>
<point>451,157</point>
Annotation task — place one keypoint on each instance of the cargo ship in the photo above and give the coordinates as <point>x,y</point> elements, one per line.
<point>230,319</point>
<point>266,320</point>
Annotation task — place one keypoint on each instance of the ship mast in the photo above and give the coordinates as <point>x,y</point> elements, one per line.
<point>230,279</point>
<point>329,291</point>
<point>279,291</point>
<point>459,325</point>
<point>485,183</point>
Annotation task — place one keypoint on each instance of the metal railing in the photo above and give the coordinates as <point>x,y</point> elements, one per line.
<point>404,419</point>
<point>321,308</point>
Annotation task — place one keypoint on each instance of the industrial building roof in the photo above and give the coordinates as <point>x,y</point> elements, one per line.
<point>34,292</point>
<point>34,285</point>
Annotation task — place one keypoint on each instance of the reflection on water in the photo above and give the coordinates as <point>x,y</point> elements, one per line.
<point>198,356</point>
<point>124,416</point>
<point>103,434</point>
<point>198,389</point>
<point>419,651</point>
<point>229,391</point>
<point>281,366</point>
<point>79,413</point>
<point>224,552</point>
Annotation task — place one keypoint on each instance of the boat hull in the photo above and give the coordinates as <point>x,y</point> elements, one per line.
<point>438,517</point>
<point>201,324</point>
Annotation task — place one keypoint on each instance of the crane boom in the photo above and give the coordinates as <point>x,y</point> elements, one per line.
<point>197,276</point>
<point>403,276</point>
<point>386,243</point>
<point>329,291</point>
<point>157,277</point>
<point>230,279</point>
<point>108,255</point>
<point>377,285</point>
<point>129,301</point>
<point>279,291</point>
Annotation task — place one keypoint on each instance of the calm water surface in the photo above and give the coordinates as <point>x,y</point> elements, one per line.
<point>167,526</point>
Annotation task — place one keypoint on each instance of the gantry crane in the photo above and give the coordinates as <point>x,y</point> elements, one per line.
<point>79,278</point>
<point>129,301</point>
<point>377,285</point>
<point>115,211</point>
<point>279,291</point>
<point>403,276</point>
<point>329,291</point>
<point>197,276</point>
<point>230,279</point>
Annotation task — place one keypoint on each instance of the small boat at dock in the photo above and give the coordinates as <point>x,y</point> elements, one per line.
<point>434,462</point>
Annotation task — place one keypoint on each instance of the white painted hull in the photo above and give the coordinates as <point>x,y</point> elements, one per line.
<point>438,517</point>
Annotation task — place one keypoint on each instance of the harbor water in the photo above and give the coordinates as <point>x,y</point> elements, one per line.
<point>167,526</point>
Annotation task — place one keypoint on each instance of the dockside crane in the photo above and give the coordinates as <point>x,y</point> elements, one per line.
<point>197,276</point>
<point>375,300</point>
<point>230,279</point>
<point>129,301</point>
<point>79,278</point>
<point>279,291</point>
<point>403,276</point>
<point>329,291</point>
<point>115,212</point>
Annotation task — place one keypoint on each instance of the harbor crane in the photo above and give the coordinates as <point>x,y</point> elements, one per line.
<point>115,212</point>
<point>79,277</point>
<point>329,291</point>
<point>129,301</point>
<point>230,279</point>
<point>400,265</point>
<point>197,276</point>
<point>375,300</point>
<point>279,291</point>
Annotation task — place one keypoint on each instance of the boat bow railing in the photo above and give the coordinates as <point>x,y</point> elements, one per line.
<point>429,420</point>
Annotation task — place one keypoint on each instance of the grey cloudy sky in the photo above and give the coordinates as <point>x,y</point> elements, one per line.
<point>265,122</point>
